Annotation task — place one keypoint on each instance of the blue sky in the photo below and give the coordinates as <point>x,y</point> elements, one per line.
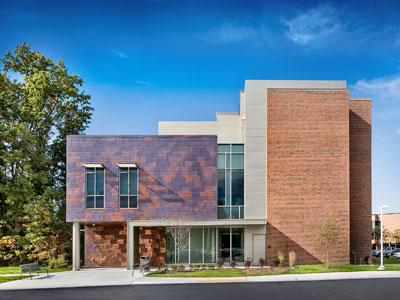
<point>150,61</point>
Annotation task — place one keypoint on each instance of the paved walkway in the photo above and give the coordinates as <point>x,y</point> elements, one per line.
<point>120,276</point>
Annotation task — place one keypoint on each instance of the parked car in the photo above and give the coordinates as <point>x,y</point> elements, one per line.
<point>396,255</point>
<point>389,252</point>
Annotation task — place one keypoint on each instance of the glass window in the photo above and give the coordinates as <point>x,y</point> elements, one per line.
<point>204,246</point>
<point>224,243</point>
<point>237,161</point>
<point>170,256</point>
<point>221,187</point>
<point>128,187</point>
<point>182,251</point>
<point>221,161</point>
<point>237,148</point>
<point>94,187</point>
<point>228,161</point>
<point>237,244</point>
<point>210,245</point>
<point>235,212</point>
<point>230,181</point>
<point>223,148</point>
<point>223,212</point>
<point>237,187</point>
<point>196,245</point>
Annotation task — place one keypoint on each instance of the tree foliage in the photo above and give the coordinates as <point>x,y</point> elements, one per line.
<point>328,235</point>
<point>40,103</point>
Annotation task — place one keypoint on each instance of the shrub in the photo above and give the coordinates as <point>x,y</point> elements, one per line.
<point>292,258</point>
<point>51,264</point>
<point>181,267</point>
<point>191,266</point>
<point>197,266</point>
<point>174,267</point>
<point>220,262</point>
<point>203,266</point>
<point>281,258</point>
<point>162,268</point>
<point>276,261</point>
<point>233,263</point>
<point>210,266</point>
<point>57,263</point>
<point>261,262</point>
<point>247,263</point>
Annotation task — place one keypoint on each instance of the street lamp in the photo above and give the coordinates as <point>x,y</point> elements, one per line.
<point>381,267</point>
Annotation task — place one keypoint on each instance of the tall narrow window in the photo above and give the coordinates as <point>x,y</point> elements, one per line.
<point>230,181</point>
<point>128,187</point>
<point>94,187</point>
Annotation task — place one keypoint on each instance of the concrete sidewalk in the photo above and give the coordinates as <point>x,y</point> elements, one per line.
<point>119,276</point>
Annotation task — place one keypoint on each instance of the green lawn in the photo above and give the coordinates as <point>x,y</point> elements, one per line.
<point>11,278</point>
<point>388,261</point>
<point>17,270</point>
<point>307,269</point>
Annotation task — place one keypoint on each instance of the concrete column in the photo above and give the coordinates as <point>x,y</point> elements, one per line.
<point>76,247</point>
<point>130,245</point>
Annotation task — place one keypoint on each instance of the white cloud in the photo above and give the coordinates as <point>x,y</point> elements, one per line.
<point>228,33</point>
<point>384,92</point>
<point>142,82</point>
<point>315,24</point>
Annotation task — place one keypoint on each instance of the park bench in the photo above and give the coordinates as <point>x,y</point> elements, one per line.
<point>33,268</point>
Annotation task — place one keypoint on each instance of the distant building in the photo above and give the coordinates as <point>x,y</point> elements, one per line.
<point>248,185</point>
<point>391,222</point>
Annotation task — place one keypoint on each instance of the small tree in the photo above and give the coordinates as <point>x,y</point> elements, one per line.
<point>396,237</point>
<point>377,236</point>
<point>181,239</point>
<point>387,236</point>
<point>327,235</point>
<point>292,258</point>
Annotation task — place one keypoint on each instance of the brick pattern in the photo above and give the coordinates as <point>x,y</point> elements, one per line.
<point>307,172</point>
<point>153,243</point>
<point>360,178</point>
<point>177,176</point>
<point>105,246</point>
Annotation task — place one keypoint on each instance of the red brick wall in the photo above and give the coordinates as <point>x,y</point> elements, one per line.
<point>307,172</point>
<point>105,245</point>
<point>153,243</point>
<point>360,178</point>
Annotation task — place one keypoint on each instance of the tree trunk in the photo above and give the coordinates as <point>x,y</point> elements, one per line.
<point>327,256</point>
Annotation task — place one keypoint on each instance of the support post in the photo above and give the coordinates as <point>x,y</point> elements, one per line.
<point>130,245</point>
<point>76,247</point>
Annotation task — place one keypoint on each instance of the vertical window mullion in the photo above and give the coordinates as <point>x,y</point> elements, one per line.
<point>230,243</point>
<point>95,188</point>
<point>129,174</point>
<point>202,247</point>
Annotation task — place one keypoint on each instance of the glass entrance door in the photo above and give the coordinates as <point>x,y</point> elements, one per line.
<point>224,239</point>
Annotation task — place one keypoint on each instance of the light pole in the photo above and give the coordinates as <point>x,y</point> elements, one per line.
<point>381,267</point>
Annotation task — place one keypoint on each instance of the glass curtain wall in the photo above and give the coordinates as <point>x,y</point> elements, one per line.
<point>205,245</point>
<point>230,181</point>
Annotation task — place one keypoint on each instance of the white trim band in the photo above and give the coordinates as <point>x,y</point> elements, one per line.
<point>127,165</point>
<point>218,222</point>
<point>91,165</point>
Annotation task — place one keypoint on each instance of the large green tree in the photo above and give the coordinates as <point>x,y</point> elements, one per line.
<point>40,103</point>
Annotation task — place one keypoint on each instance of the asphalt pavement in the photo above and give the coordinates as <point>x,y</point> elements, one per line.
<point>365,289</point>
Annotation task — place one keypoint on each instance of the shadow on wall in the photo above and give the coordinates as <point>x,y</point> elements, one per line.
<point>153,185</point>
<point>277,241</point>
<point>360,186</point>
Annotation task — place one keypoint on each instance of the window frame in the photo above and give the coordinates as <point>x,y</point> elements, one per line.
<point>226,169</point>
<point>95,187</point>
<point>128,195</point>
